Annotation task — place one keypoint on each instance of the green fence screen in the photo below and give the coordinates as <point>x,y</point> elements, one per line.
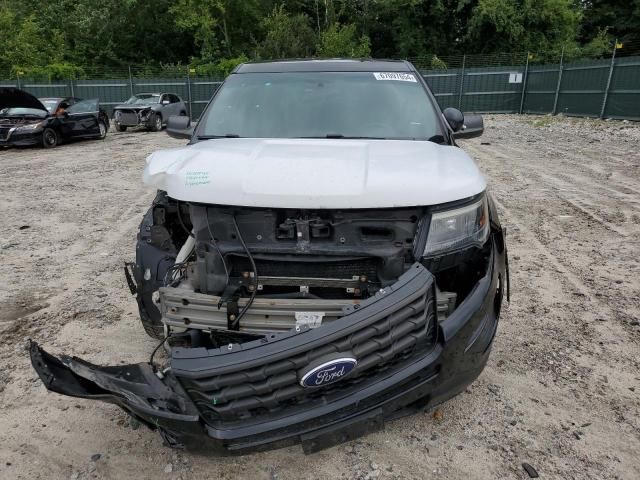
<point>592,88</point>
<point>605,88</point>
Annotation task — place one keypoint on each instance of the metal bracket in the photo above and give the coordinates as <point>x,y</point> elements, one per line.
<point>228,295</point>
<point>232,314</point>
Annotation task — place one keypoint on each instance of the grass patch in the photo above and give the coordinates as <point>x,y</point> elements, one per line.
<point>540,122</point>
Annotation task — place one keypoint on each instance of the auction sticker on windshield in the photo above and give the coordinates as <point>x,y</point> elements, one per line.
<point>402,77</point>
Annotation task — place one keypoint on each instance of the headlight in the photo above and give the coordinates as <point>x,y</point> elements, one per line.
<point>458,228</point>
<point>32,126</point>
<point>117,115</point>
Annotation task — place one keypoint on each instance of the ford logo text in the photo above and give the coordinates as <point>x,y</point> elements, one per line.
<point>328,372</point>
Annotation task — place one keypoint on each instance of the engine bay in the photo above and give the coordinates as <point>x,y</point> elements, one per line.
<point>227,272</point>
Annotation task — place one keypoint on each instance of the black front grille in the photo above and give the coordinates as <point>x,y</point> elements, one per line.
<point>128,117</point>
<point>381,347</point>
<point>4,133</point>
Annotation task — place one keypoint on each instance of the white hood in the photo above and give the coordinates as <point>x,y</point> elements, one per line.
<point>304,173</point>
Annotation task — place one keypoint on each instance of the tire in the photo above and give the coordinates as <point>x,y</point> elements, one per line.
<point>121,128</point>
<point>152,327</point>
<point>103,130</point>
<point>49,138</point>
<point>156,124</point>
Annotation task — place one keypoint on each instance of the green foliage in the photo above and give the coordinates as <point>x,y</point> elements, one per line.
<point>219,27</point>
<point>599,45</point>
<point>50,38</point>
<point>343,41</point>
<point>18,40</point>
<point>286,36</point>
<point>226,65</point>
<point>53,71</point>
<point>221,68</point>
<point>620,19</point>
<point>523,25</point>
<point>437,63</point>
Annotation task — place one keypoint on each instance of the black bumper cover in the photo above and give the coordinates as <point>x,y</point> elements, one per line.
<point>23,139</point>
<point>159,401</point>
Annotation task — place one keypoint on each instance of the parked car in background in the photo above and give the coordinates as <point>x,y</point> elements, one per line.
<point>150,110</point>
<point>26,120</point>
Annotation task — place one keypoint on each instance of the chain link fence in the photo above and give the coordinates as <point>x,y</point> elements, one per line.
<point>601,86</point>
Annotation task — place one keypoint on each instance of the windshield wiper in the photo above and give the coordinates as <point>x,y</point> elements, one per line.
<point>211,137</point>
<point>339,135</point>
<point>436,139</point>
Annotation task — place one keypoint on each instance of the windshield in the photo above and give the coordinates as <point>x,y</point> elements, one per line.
<point>49,104</point>
<point>84,106</point>
<point>321,105</point>
<point>16,112</point>
<point>144,99</point>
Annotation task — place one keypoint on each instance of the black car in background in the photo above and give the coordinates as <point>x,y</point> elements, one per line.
<point>28,121</point>
<point>150,110</point>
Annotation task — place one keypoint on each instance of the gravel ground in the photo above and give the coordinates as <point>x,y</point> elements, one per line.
<point>560,391</point>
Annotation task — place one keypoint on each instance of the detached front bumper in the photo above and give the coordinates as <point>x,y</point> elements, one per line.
<point>247,397</point>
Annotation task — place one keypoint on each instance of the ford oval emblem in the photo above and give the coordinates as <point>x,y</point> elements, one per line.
<point>328,372</point>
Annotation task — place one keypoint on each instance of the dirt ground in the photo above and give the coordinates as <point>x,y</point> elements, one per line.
<point>560,392</point>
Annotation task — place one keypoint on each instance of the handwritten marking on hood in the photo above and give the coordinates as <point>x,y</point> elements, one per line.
<point>192,179</point>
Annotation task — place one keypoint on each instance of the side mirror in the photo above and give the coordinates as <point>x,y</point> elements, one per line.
<point>473,127</point>
<point>454,118</point>
<point>179,126</point>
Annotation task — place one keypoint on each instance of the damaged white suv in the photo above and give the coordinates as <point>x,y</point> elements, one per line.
<point>320,258</point>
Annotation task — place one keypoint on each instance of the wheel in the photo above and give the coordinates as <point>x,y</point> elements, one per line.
<point>103,130</point>
<point>156,124</point>
<point>121,128</point>
<point>49,138</point>
<point>152,326</point>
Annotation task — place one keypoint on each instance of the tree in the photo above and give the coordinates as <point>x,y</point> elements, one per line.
<point>57,36</point>
<point>287,36</point>
<point>619,19</point>
<point>523,25</point>
<point>219,27</point>
<point>22,43</point>
<point>343,41</point>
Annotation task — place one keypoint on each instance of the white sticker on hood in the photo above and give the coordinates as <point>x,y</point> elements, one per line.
<point>402,77</point>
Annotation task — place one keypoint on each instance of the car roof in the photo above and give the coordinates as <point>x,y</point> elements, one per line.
<point>330,65</point>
